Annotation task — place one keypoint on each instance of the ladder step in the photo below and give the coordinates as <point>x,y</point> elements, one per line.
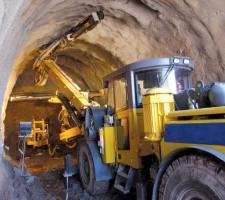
<point>124,178</point>
<point>122,174</point>
<point>121,189</point>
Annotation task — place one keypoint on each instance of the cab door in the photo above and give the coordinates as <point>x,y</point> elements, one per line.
<point>122,114</point>
<point>124,123</point>
<point>117,100</point>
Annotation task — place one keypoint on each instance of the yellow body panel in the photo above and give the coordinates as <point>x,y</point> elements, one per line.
<point>129,134</point>
<point>138,145</point>
<point>108,148</point>
<point>128,157</point>
<point>195,121</point>
<point>169,147</point>
<point>197,112</point>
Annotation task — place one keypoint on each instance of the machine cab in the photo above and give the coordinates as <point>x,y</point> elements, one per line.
<point>126,87</point>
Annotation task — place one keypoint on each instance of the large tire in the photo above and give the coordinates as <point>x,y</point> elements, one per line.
<point>87,172</point>
<point>193,178</point>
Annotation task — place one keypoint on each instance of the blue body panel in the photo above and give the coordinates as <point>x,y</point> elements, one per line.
<point>196,133</point>
<point>102,171</point>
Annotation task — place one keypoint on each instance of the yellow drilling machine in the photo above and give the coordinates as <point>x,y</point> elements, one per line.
<point>39,134</point>
<point>155,130</point>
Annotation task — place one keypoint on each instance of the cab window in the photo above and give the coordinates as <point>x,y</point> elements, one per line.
<point>120,93</point>
<point>176,80</point>
<point>111,95</point>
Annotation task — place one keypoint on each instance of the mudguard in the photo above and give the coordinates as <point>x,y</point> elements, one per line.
<point>103,172</point>
<point>94,119</point>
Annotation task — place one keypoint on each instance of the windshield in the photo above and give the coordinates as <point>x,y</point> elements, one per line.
<point>173,78</point>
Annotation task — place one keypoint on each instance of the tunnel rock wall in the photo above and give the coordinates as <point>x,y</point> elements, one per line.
<point>132,30</point>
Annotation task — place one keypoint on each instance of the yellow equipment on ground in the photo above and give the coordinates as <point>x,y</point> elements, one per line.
<point>67,133</point>
<point>39,134</point>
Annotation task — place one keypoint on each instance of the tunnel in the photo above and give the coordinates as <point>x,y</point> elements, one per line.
<point>132,30</point>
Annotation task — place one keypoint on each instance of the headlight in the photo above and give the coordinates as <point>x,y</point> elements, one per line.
<point>176,60</point>
<point>186,61</point>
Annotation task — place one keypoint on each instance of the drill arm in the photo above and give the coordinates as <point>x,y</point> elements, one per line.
<point>45,67</point>
<point>65,84</point>
<point>84,26</point>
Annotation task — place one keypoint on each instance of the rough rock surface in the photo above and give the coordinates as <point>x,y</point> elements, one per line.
<point>46,186</point>
<point>132,30</point>
<point>15,187</point>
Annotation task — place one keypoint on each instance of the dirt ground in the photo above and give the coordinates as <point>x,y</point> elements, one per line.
<point>46,181</point>
<point>53,182</point>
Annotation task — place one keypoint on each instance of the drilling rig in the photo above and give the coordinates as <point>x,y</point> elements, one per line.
<point>156,128</point>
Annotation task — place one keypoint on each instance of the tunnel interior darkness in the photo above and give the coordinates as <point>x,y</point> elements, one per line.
<point>132,30</point>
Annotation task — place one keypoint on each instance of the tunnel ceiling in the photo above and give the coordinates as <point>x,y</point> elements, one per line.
<point>84,62</point>
<point>131,30</point>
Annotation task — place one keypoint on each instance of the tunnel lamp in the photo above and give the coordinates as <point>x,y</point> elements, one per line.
<point>176,60</point>
<point>186,61</point>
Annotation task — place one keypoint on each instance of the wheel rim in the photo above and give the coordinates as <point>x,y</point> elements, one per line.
<point>193,191</point>
<point>191,194</point>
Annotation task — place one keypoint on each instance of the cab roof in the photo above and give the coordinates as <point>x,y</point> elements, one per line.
<point>185,62</point>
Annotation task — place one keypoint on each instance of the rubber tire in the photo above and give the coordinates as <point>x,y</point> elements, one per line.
<point>93,187</point>
<point>189,177</point>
